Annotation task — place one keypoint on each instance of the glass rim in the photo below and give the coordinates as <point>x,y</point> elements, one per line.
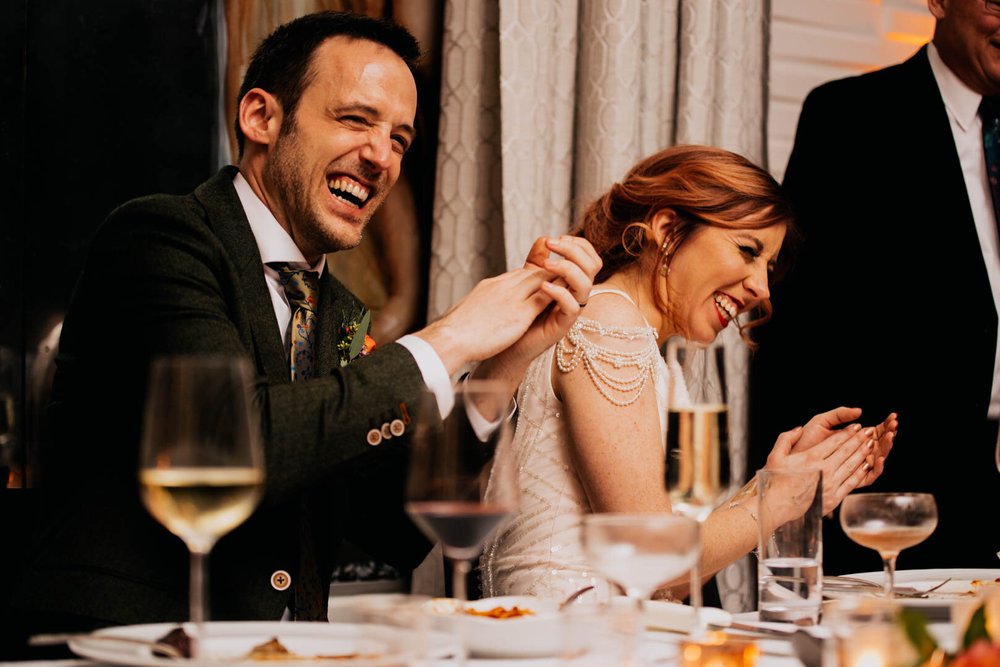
<point>889,494</point>
<point>610,517</point>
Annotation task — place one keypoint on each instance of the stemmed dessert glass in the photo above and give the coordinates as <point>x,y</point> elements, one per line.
<point>201,465</point>
<point>451,462</point>
<point>640,552</point>
<point>698,455</point>
<point>888,523</point>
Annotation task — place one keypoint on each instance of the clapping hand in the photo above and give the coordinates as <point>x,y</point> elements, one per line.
<point>825,424</point>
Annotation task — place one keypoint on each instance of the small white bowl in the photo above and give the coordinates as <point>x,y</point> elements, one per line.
<point>539,634</point>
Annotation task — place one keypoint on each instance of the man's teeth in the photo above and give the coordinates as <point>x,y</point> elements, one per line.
<point>348,191</point>
<point>727,306</point>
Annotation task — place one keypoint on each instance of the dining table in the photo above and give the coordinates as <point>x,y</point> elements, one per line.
<point>776,644</point>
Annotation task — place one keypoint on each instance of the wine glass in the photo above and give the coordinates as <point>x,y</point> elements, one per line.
<point>446,491</point>
<point>201,465</point>
<point>888,523</point>
<point>698,455</point>
<point>640,552</point>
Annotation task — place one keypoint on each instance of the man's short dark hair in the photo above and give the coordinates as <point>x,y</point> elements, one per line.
<point>281,64</point>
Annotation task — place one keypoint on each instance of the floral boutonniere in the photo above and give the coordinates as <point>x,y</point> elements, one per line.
<point>354,340</point>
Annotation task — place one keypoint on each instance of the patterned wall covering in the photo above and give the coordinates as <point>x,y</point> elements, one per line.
<point>544,105</point>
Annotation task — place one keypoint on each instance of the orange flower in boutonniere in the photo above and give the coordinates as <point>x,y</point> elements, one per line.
<point>977,649</point>
<point>354,339</point>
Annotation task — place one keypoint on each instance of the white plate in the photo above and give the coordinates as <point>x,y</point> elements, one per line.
<point>959,588</point>
<point>231,641</point>
<point>676,617</point>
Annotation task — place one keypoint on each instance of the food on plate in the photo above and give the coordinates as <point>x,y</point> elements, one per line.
<point>976,583</point>
<point>178,639</point>
<point>273,650</point>
<point>501,612</point>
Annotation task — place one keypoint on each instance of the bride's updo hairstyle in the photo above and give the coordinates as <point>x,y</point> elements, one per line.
<point>702,185</point>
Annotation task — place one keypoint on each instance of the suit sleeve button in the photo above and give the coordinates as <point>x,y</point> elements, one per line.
<point>396,427</point>
<point>374,437</point>
<point>386,431</point>
<point>281,580</point>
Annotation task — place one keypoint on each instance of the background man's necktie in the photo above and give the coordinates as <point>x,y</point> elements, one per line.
<point>302,290</point>
<point>988,111</point>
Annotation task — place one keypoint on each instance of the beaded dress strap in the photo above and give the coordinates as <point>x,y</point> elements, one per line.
<point>598,359</point>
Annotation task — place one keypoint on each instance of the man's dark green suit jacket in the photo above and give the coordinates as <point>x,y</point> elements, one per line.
<point>182,274</point>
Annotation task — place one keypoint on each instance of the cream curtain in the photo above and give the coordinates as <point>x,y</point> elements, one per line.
<point>545,104</point>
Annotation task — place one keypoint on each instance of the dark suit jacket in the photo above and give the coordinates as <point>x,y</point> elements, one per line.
<point>889,307</point>
<point>182,274</point>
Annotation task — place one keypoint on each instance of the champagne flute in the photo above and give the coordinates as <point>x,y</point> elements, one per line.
<point>201,467</point>
<point>449,470</point>
<point>639,552</point>
<point>888,523</point>
<point>698,454</point>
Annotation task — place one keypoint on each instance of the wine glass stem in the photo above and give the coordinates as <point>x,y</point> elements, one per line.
<point>694,597</point>
<point>197,598</point>
<point>634,626</point>
<point>889,568</point>
<point>460,569</point>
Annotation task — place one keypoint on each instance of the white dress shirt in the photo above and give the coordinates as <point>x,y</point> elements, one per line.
<point>962,105</point>
<point>275,245</point>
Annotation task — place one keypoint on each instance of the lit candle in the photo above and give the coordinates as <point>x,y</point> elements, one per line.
<point>715,650</point>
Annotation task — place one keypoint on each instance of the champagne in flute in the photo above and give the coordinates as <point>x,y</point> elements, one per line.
<point>698,456</point>
<point>201,467</point>
<point>697,469</point>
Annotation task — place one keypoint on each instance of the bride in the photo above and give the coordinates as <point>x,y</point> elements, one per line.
<point>689,240</point>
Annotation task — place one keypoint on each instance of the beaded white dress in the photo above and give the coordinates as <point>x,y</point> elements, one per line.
<point>538,552</point>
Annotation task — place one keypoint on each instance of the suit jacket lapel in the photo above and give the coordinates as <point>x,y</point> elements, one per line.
<point>227,218</point>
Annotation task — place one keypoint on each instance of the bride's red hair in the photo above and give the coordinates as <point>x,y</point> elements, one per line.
<point>701,185</point>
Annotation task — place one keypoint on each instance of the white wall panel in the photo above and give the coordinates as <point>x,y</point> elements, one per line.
<point>814,41</point>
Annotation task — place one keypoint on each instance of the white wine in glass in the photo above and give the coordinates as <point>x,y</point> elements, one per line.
<point>698,449</point>
<point>201,467</point>
<point>888,523</point>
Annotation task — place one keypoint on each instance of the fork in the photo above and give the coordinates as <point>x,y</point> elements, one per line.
<point>853,583</point>
<point>64,638</point>
<point>916,593</point>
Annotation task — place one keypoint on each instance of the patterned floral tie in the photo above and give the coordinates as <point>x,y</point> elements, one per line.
<point>302,290</point>
<point>988,111</point>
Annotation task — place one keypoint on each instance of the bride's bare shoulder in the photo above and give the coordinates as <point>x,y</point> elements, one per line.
<point>612,309</point>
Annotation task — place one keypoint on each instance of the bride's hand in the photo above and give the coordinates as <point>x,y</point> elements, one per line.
<point>825,424</point>
<point>885,435</point>
<point>841,456</point>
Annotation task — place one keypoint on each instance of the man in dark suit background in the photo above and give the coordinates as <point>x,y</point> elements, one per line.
<point>892,304</point>
<point>326,113</point>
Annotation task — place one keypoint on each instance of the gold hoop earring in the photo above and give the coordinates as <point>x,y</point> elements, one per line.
<point>665,264</point>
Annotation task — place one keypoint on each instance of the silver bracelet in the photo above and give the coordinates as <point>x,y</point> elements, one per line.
<point>753,515</point>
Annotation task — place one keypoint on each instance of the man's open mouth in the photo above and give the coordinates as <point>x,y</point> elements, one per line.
<point>348,190</point>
